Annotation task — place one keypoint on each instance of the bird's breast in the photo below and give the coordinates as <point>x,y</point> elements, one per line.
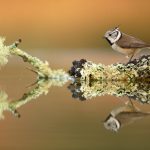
<point>124,51</point>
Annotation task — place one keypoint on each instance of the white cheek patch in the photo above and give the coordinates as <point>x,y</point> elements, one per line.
<point>112,40</point>
<point>118,36</point>
<point>112,124</point>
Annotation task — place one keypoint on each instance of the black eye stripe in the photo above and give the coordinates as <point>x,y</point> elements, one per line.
<point>117,33</point>
<point>110,34</point>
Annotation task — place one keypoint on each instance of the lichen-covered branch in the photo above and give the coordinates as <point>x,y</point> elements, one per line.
<point>138,69</point>
<point>46,77</point>
<point>4,52</point>
<point>41,68</point>
<point>92,79</point>
<point>42,87</point>
<point>131,80</point>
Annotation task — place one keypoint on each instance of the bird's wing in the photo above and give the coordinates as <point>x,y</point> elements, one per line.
<point>127,41</point>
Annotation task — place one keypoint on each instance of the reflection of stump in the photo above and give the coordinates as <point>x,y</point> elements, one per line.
<point>139,91</point>
<point>130,79</point>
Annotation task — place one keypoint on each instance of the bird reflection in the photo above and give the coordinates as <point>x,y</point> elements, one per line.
<point>122,116</point>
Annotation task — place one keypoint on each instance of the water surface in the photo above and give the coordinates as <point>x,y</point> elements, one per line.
<point>58,121</point>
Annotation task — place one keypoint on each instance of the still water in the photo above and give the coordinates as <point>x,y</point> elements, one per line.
<point>57,121</point>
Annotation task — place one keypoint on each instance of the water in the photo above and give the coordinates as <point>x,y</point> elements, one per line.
<point>58,121</point>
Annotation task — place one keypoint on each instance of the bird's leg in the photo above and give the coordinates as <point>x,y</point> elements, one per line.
<point>131,58</point>
<point>134,52</point>
<point>131,104</point>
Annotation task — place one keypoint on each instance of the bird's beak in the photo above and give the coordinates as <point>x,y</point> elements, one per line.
<point>103,37</point>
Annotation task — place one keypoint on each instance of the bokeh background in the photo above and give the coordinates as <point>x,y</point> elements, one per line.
<point>61,31</point>
<point>71,23</point>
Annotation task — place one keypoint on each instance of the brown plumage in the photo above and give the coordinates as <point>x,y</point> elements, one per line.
<point>127,41</point>
<point>125,44</point>
<point>123,115</point>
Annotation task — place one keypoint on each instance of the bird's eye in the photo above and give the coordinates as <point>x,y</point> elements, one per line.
<point>110,34</point>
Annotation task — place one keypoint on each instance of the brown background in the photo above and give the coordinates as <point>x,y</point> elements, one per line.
<point>71,23</point>
<point>61,31</point>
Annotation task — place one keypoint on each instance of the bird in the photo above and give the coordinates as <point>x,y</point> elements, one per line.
<point>124,43</point>
<point>122,116</point>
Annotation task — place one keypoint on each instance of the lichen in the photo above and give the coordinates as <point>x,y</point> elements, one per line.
<point>134,70</point>
<point>139,91</point>
<point>41,87</point>
<point>131,80</point>
<point>41,68</point>
<point>4,52</point>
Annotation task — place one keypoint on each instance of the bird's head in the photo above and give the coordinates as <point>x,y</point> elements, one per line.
<point>112,124</point>
<point>112,35</point>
